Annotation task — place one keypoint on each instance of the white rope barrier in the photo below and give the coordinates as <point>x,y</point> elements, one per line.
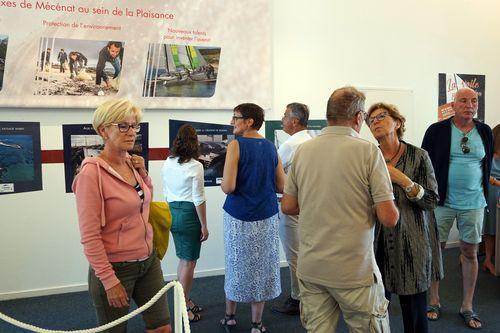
<point>180,307</point>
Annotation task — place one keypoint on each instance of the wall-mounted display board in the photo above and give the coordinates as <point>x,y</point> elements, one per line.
<point>276,134</point>
<point>449,83</point>
<point>198,54</point>
<point>20,165</point>
<point>213,140</point>
<point>81,140</point>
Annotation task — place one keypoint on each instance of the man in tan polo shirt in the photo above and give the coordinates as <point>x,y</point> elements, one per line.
<point>340,184</point>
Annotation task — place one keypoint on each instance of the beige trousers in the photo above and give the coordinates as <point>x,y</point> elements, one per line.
<point>289,235</point>
<point>364,309</point>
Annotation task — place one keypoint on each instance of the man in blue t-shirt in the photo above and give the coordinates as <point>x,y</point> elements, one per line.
<point>461,150</point>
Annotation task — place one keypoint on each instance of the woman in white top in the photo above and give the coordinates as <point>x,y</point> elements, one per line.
<point>183,187</point>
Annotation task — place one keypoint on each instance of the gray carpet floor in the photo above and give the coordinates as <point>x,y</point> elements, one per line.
<point>74,311</point>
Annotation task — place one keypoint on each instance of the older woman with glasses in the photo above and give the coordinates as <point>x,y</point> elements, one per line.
<point>408,254</point>
<point>113,192</point>
<point>252,175</point>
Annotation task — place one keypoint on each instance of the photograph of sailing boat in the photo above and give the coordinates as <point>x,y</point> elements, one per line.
<point>181,71</point>
<point>4,40</point>
<point>76,67</point>
<point>20,157</point>
<point>81,141</point>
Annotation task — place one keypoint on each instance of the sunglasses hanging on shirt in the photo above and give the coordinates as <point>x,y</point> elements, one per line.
<point>463,145</point>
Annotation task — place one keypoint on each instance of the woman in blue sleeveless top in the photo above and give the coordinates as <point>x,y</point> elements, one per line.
<point>252,175</point>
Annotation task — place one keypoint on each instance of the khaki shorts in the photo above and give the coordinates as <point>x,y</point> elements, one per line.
<point>364,309</point>
<point>469,223</point>
<point>142,280</point>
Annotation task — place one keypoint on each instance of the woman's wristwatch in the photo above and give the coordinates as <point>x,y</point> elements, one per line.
<point>417,196</point>
<point>409,188</point>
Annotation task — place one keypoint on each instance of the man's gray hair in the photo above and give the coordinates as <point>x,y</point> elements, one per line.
<point>300,112</point>
<point>344,103</point>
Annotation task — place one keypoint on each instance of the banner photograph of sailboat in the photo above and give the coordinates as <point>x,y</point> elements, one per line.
<point>181,71</point>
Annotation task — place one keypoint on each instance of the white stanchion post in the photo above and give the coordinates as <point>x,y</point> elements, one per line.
<point>178,293</point>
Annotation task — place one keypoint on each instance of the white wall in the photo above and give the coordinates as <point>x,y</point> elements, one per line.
<point>322,45</point>
<point>318,46</point>
<point>39,237</point>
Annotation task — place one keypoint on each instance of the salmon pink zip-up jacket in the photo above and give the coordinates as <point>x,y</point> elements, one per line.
<point>113,220</point>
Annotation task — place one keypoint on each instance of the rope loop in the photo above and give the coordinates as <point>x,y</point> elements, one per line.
<point>178,294</point>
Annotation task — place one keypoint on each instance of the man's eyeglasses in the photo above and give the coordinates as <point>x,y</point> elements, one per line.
<point>379,117</point>
<point>124,127</point>
<point>363,114</point>
<point>238,117</point>
<point>463,144</point>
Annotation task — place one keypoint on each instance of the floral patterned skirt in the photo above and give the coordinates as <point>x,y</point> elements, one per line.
<point>251,253</point>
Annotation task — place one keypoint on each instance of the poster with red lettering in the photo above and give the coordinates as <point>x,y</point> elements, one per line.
<point>164,54</point>
<point>450,83</point>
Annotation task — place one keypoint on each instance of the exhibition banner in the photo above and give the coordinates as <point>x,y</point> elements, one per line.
<point>213,140</point>
<point>20,164</point>
<point>275,133</point>
<point>81,141</point>
<point>449,83</point>
<point>165,54</point>
<point>4,41</point>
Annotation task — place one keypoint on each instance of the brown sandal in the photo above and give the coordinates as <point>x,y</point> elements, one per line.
<point>196,316</point>
<point>195,308</point>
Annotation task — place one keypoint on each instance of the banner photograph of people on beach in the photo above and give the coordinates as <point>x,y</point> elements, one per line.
<point>4,40</point>
<point>78,67</point>
<point>181,71</point>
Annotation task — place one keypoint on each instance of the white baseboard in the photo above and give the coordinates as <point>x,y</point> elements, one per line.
<point>83,287</point>
<point>43,292</point>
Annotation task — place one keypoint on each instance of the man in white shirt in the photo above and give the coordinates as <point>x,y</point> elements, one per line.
<point>295,124</point>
